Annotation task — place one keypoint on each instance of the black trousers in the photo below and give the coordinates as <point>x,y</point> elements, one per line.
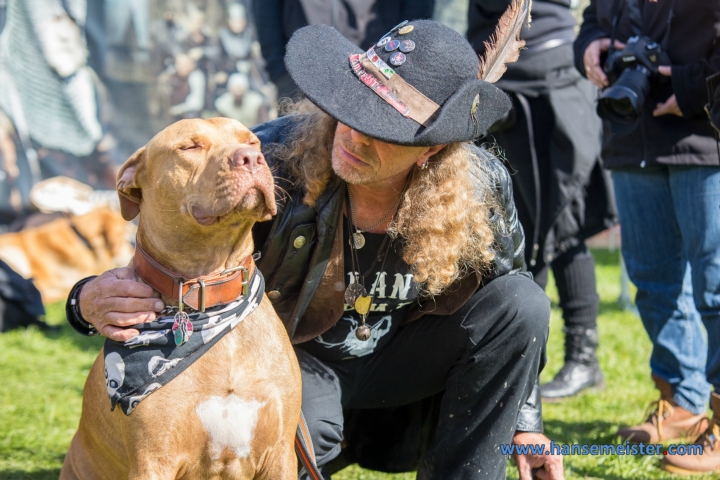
<point>574,273</point>
<point>485,358</point>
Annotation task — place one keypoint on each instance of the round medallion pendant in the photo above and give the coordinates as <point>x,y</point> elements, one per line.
<point>353,292</point>
<point>358,240</point>
<point>363,333</point>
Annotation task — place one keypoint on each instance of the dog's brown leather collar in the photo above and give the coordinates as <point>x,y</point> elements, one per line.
<point>198,293</point>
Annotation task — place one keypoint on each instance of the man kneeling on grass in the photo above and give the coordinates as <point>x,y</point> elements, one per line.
<point>395,261</point>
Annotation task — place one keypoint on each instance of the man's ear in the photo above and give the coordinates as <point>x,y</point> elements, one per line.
<point>129,191</point>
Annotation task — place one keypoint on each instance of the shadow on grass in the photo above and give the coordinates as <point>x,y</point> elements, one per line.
<point>605,257</point>
<point>604,307</point>
<point>611,307</point>
<point>50,474</point>
<point>80,341</point>
<point>61,329</point>
<point>595,432</point>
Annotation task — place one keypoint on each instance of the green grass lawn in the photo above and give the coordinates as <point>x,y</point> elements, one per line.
<point>42,376</point>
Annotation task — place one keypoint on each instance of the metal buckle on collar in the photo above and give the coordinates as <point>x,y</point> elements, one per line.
<point>245,287</point>
<point>201,282</point>
<point>246,277</point>
<point>202,294</point>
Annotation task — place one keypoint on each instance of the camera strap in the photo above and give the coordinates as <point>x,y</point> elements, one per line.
<point>666,37</point>
<point>617,4</point>
<point>635,16</point>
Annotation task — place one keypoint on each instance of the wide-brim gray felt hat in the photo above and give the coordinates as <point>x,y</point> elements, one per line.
<point>418,85</point>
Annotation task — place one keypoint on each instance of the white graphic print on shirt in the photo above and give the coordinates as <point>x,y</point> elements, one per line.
<point>354,346</point>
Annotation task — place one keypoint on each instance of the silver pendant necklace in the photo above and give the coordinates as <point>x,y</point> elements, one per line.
<point>358,239</point>
<point>355,294</point>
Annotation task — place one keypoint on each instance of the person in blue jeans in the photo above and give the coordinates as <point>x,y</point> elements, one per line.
<point>666,174</point>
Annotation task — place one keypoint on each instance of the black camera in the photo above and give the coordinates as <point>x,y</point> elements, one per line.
<point>630,72</point>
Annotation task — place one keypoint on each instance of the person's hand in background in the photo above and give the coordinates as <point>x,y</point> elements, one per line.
<point>591,60</point>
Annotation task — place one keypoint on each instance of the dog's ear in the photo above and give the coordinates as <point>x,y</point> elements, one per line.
<point>129,191</point>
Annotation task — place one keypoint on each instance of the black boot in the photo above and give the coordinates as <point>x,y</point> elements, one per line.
<point>581,369</point>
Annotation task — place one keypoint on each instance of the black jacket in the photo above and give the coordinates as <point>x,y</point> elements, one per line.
<point>362,21</point>
<point>308,308</point>
<point>694,51</point>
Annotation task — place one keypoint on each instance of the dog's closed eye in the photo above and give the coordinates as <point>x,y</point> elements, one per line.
<point>191,147</point>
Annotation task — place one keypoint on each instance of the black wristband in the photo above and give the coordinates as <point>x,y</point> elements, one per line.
<point>72,310</point>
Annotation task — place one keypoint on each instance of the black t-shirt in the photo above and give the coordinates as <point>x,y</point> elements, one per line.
<point>394,288</point>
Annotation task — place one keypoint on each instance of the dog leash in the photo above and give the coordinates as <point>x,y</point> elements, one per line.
<point>305,451</point>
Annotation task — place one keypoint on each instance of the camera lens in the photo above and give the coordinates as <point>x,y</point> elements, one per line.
<point>622,103</point>
<point>619,105</point>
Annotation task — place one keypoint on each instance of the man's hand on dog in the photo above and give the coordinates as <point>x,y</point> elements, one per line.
<point>114,301</point>
<point>546,467</point>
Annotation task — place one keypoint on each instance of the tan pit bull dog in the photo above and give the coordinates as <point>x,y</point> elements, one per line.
<point>199,186</point>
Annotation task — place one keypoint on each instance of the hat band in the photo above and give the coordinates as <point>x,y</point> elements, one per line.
<point>402,96</point>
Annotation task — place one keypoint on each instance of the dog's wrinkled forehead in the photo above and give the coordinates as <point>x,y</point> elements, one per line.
<point>205,134</point>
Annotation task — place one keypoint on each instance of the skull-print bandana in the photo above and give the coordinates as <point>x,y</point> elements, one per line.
<point>146,362</point>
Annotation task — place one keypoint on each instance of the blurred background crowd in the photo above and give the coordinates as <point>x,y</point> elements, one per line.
<point>87,82</point>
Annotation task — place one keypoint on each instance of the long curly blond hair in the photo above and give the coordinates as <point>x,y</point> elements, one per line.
<point>444,219</point>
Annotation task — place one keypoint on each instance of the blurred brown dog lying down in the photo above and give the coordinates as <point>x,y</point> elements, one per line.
<point>202,395</point>
<point>59,253</point>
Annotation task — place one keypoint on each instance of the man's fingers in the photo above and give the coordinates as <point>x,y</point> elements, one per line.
<point>593,69</point>
<point>543,474</point>
<point>552,469</point>
<point>131,304</point>
<point>127,288</point>
<point>597,77</point>
<point>665,70</point>
<point>591,60</point>
<point>128,319</point>
<point>661,109</point>
<point>118,334</point>
<point>124,273</point>
<point>524,468</point>
<point>603,44</point>
<point>121,282</point>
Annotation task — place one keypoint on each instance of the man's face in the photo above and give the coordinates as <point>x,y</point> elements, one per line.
<point>359,159</point>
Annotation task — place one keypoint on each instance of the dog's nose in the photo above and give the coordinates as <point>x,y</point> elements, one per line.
<point>247,158</point>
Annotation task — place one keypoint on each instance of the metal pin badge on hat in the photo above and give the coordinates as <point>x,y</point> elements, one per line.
<point>392,45</point>
<point>406,29</point>
<point>383,41</point>
<point>407,46</point>
<point>397,58</point>
<point>399,25</point>
<point>473,113</point>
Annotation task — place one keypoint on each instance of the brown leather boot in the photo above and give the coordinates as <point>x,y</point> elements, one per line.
<point>667,422</point>
<point>709,460</point>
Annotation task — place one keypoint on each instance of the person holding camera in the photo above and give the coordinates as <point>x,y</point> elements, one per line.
<point>651,59</point>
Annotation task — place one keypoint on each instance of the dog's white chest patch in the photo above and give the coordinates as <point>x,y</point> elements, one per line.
<point>230,423</point>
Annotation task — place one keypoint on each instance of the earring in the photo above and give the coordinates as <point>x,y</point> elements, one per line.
<point>423,165</point>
